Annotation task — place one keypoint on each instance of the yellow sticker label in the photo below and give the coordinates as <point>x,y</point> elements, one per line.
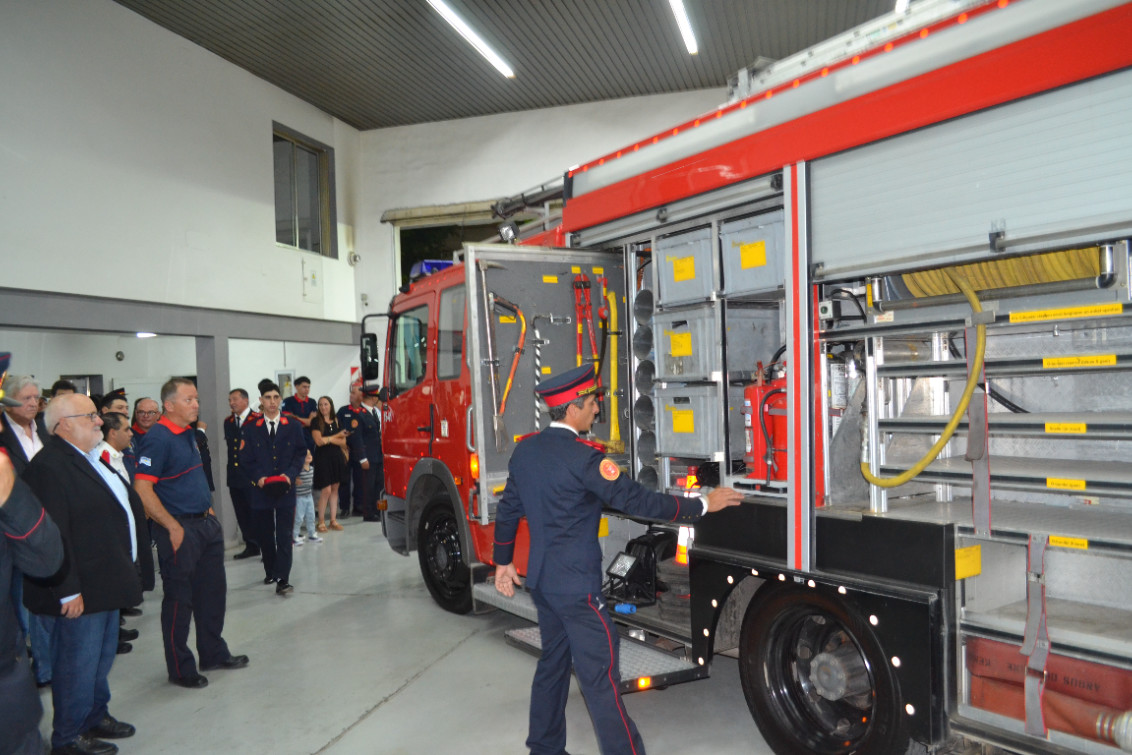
<point>968,561</point>
<point>507,318</point>
<point>683,421</point>
<point>545,370</point>
<point>1067,313</point>
<point>683,268</point>
<point>599,270</point>
<point>1067,428</point>
<point>603,527</point>
<point>679,344</point>
<point>550,279</point>
<point>752,255</point>
<point>1098,360</point>
<point>575,269</point>
<point>1058,483</point>
<point>1060,541</point>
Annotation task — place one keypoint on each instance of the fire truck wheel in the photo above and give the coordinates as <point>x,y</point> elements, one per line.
<point>442,557</point>
<point>815,678</point>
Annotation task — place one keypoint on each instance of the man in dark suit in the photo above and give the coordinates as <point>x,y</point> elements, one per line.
<point>240,486</point>
<point>366,440</point>
<point>273,453</point>
<point>560,482</point>
<point>350,492</point>
<point>23,433</point>
<point>100,519</point>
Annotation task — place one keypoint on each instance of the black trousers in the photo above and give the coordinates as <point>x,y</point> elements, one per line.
<point>372,483</point>
<point>195,588</point>
<point>274,530</point>
<point>242,504</point>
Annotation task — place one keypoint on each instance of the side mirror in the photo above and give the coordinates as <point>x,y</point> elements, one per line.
<point>370,357</point>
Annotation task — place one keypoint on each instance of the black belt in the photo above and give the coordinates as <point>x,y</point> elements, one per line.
<point>202,515</point>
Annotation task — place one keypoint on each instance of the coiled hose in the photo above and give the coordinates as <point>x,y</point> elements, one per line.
<point>957,416</point>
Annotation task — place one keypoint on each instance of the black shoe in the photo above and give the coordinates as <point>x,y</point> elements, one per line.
<point>343,514</point>
<point>124,647</point>
<point>283,588</point>
<point>127,635</point>
<point>111,728</point>
<point>247,552</point>
<point>85,745</point>
<point>371,518</point>
<point>269,580</point>
<point>132,611</point>
<point>196,681</point>
<point>232,662</point>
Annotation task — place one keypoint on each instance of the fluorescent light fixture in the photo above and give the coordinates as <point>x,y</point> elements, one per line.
<point>473,39</point>
<point>146,334</point>
<point>902,6</point>
<point>685,26</point>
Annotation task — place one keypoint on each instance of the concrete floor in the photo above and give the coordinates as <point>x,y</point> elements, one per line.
<point>359,660</point>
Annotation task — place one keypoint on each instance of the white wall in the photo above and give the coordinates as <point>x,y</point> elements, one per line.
<point>327,366</point>
<point>136,164</point>
<point>490,158</point>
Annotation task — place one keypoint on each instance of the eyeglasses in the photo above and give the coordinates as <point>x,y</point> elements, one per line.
<point>147,413</point>
<point>92,416</point>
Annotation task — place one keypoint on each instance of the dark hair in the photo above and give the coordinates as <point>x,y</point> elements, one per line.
<point>113,421</point>
<point>62,385</point>
<point>266,387</point>
<point>558,413</point>
<point>241,391</point>
<point>319,423</point>
<point>110,398</point>
<point>302,379</point>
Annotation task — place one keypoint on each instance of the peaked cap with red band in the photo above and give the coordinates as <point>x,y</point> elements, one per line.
<point>570,385</point>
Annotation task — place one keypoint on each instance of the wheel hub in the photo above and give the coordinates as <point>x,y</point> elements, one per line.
<point>839,673</point>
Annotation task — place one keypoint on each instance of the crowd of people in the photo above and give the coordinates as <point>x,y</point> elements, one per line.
<point>89,491</point>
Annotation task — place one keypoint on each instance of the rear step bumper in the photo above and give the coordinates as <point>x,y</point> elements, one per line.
<point>642,666</point>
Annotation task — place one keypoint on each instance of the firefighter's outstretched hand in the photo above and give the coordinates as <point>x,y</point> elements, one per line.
<point>721,498</point>
<point>506,578</point>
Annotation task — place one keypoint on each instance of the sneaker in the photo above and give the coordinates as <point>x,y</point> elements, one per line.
<point>298,542</point>
<point>314,539</point>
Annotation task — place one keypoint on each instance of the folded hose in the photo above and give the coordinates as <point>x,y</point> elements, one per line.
<point>957,416</point>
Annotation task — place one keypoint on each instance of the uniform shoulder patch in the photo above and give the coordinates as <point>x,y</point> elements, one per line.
<point>354,423</point>
<point>609,469</point>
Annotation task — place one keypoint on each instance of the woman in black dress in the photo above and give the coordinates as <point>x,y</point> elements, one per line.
<point>329,461</point>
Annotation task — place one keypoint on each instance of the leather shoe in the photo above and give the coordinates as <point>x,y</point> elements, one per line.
<point>131,611</point>
<point>123,648</point>
<point>373,518</point>
<point>247,552</point>
<point>196,681</point>
<point>111,728</point>
<point>85,745</point>
<point>269,580</point>
<point>231,662</point>
<point>283,588</point>
<point>127,635</point>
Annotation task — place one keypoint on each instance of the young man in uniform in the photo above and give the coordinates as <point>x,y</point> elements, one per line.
<point>272,454</point>
<point>302,407</point>
<point>240,486</point>
<point>190,540</point>
<point>560,482</point>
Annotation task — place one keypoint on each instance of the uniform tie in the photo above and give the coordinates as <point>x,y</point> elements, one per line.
<point>271,431</point>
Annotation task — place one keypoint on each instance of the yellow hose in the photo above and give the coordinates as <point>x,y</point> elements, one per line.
<point>964,399</point>
<point>615,444</point>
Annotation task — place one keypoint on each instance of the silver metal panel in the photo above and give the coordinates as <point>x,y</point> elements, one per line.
<point>685,264</point>
<point>1058,165</point>
<point>519,604</point>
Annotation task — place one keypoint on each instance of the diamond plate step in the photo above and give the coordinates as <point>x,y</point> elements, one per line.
<point>520,605</point>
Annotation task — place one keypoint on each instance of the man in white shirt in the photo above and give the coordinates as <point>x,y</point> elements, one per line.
<point>20,433</point>
<point>116,437</point>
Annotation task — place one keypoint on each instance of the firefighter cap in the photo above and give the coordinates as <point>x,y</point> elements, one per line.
<point>570,385</point>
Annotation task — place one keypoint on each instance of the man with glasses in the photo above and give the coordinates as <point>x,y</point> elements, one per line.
<point>101,521</point>
<point>190,541</point>
<point>146,414</point>
<point>22,433</point>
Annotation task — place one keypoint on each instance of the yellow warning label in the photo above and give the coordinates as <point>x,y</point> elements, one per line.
<point>1058,483</point>
<point>1066,428</point>
<point>1097,360</point>
<point>1067,313</point>
<point>752,255</point>
<point>1060,541</point>
<point>603,527</point>
<point>545,370</point>
<point>683,421</point>
<point>575,269</point>
<point>683,268</point>
<point>968,561</point>
<point>599,270</point>
<point>506,318</point>
<point>550,279</point>
<point>679,344</point>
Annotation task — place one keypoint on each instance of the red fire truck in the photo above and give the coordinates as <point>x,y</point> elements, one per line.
<point>884,291</point>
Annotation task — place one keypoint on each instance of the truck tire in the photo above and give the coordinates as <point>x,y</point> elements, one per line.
<point>816,679</point>
<point>442,557</point>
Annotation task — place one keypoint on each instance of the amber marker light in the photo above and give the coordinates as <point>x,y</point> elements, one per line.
<point>644,682</point>
<point>474,466</point>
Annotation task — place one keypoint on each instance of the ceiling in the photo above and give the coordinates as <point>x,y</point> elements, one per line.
<point>380,63</point>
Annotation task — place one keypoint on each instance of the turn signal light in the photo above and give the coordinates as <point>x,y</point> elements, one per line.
<point>644,682</point>
<point>474,466</point>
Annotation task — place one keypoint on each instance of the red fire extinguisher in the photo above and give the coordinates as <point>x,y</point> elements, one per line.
<point>765,404</point>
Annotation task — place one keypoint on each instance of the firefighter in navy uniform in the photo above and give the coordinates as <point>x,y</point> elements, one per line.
<point>350,491</point>
<point>560,482</point>
<point>365,446</point>
<point>240,487</point>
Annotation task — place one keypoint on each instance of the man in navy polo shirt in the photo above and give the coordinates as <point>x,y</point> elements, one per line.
<point>302,407</point>
<point>190,542</point>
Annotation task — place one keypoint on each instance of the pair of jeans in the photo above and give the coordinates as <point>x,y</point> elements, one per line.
<point>304,512</point>
<point>40,631</point>
<point>84,650</point>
